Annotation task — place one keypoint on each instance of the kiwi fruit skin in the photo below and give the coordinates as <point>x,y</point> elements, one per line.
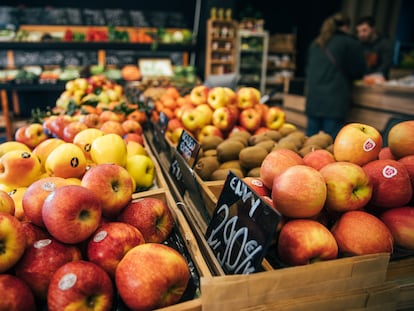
<point>252,156</point>
<point>205,166</point>
<point>229,150</point>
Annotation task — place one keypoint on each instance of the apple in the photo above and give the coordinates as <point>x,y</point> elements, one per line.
<point>408,162</point>
<point>257,185</point>
<point>41,260</point>
<point>385,153</point>
<point>224,118</point>
<point>109,148</point>
<point>15,294</point>
<point>34,232</point>
<point>91,120</point>
<point>250,119</point>
<point>12,241</point>
<point>58,124</point>
<point>110,243</point>
<point>109,115</point>
<point>175,135</point>
<point>151,216</point>
<point>218,97</point>
<point>400,139</point>
<point>247,97</point>
<point>361,233</point>
<point>85,138</point>
<point>43,149</point>
<point>134,147</point>
<point>17,195</point>
<point>160,279</point>
<point>6,203</point>
<point>391,183</point>
<point>274,118</point>
<point>305,241</point>
<point>199,94</point>
<point>71,213</point>
<point>299,192</point>
<point>112,185</point>
<point>400,221</point>
<point>111,126</point>
<point>12,145</point>
<point>276,162</point>
<point>35,195</point>
<point>207,131</point>
<point>192,120</point>
<point>66,160</point>
<point>174,123</point>
<point>131,126</point>
<point>206,113</point>
<point>19,168</point>
<point>142,169</point>
<point>318,158</point>
<point>357,143</point>
<point>73,128</point>
<point>349,187</point>
<point>139,138</point>
<point>31,135</point>
<point>82,285</point>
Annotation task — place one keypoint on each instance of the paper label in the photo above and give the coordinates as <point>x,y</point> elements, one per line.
<point>100,236</point>
<point>42,243</point>
<point>369,144</point>
<point>67,281</point>
<point>389,171</point>
<point>49,186</point>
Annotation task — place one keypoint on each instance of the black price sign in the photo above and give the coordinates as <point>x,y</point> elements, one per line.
<point>159,133</point>
<point>241,227</point>
<point>188,147</point>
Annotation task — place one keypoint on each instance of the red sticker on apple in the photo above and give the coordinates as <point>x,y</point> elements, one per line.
<point>100,236</point>
<point>369,144</point>
<point>67,281</point>
<point>42,243</point>
<point>49,186</point>
<point>389,171</point>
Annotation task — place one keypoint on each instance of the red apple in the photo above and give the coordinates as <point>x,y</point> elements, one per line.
<point>276,162</point>
<point>357,143</point>
<point>207,131</point>
<point>12,241</point>
<point>274,118</point>
<point>247,97</point>
<point>349,187</point>
<point>198,94</point>
<point>73,128</point>
<point>35,195</point>
<point>41,260</point>
<point>361,233</point>
<point>91,120</point>
<point>160,279</point>
<point>391,183</point>
<point>385,153</point>
<point>6,203</point>
<point>15,294</point>
<point>304,241</point>
<point>58,124</point>
<point>33,135</point>
<point>250,119</point>
<point>408,162</point>
<point>400,221</point>
<point>112,126</point>
<point>224,118</point>
<point>151,216</point>
<point>299,192</point>
<point>111,242</point>
<point>257,185</point>
<point>34,233</point>
<point>134,137</point>
<point>318,158</point>
<point>174,123</point>
<point>72,213</point>
<point>81,285</point>
<point>131,126</point>
<point>401,139</point>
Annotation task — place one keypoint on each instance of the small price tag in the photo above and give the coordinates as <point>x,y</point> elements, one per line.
<point>188,147</point>
<point>159,139</point>
<point>241,228</point>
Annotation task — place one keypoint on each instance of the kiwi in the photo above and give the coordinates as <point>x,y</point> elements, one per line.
<point>330,148</point>
<point>206,166</point>
<point>257,138</point>
<point>286,129</point>
<point>267,144</point>
<point>254,172</point>
<point>252,156</point>
<point>286,144</point>
<point>210,142</point>
<point>221,173</point>
<point>321,139</point>
<point>295,140</point>
<point>308,148</point>
<point>210,153</point>
<point>228,150</point>
<point>274,135</point>
<point>231,164</point>
<point>244,134</point>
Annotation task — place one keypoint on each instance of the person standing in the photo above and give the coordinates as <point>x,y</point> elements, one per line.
<point>379,50</point>
<point>334,60</point>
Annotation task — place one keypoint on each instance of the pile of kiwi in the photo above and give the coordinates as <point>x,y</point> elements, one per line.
<point>243,152</point>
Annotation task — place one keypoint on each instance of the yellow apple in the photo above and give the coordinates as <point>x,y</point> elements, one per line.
<point>206,113</point>
<point>142,170</point>
<point>19,168</point>
<point>6,203</point>
<point>12,145</point>
<point>85,138</point>
<point>135,148</point>
<point>109,148</point>
<point>17,195</point>
<point>66,160</point>
<point>43,149</point>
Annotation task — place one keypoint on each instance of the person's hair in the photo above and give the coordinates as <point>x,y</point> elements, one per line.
<point>369,20</point>
<point>330,26</point>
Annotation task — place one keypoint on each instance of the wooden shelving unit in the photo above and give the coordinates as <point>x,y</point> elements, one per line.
<point>220,46</point>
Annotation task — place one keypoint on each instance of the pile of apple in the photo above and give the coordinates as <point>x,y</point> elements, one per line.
<point>216,111</point>
<point>358,200</point>
<point>71,234</point>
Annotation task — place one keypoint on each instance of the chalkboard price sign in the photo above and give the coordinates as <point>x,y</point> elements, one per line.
<point>177,167</point>
<point>188,147</point>
<point>241,228</point>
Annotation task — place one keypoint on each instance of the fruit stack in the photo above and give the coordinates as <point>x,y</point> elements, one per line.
<point>354,200</point>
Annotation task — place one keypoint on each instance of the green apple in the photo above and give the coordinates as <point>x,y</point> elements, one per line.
<point>142,169</point>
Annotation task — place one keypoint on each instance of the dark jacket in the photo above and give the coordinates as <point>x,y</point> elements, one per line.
<point>379,55</point>
<point>328,88</point>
